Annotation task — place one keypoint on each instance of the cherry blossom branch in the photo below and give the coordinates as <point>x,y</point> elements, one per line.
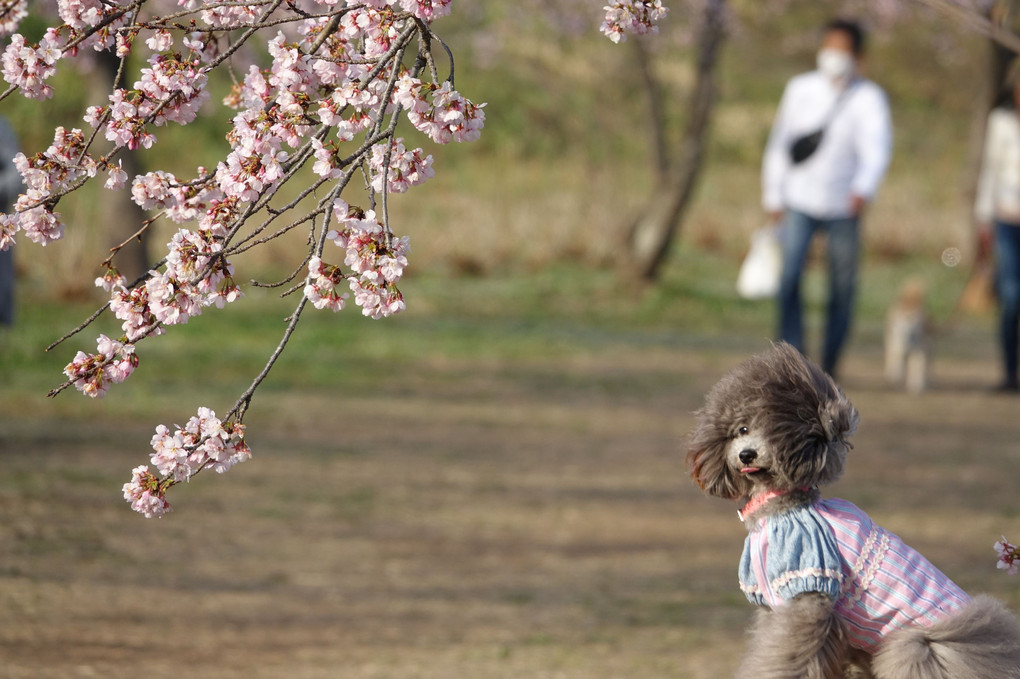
<point>84,324</point>
<point>241,405</point>
<point>336,81</point>
<point>146,225</point>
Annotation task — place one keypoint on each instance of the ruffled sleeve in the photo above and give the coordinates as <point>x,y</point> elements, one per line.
<point>802,556</point>
<point>746,572</point>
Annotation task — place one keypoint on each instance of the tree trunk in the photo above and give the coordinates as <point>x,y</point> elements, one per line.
<point>121,217</point>
<point>656,109</point>
<point>651,235</point>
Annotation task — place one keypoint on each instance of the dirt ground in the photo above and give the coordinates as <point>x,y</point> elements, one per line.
<point>471,518</point>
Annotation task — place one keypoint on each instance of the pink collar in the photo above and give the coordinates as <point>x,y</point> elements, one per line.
<point>758,501</point>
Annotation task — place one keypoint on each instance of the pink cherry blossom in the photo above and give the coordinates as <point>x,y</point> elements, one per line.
<point>116,177</point>
<point>405,169</point>
<point>205,442</point>
<point>41,225</point>
<point>427,10</point>
<point>8,227</point>
<point>112,363</point>
<point>321,285</point>
<point>632,16</point>
<point>145,493</point>
<point>132,307</point>
<point>326,161</point>
<point>377,301</point>
<point>58,169</point>
<point>28,67</point>
<point>172,88</point>
<point>439,111</point>
<point>376,261</point>
<point>81,14</point>
<point>160,41</point>
<point>152,189</point>
<point>11,14</point>
<point>111,280</point>
<point>1009,556</point>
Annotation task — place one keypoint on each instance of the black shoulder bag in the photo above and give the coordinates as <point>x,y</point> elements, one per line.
<point>803,147</point>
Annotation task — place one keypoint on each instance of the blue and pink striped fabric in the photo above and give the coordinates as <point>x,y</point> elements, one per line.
<point>879,583</point>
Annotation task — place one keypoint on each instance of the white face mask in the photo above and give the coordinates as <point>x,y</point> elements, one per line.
<point>836,64</point>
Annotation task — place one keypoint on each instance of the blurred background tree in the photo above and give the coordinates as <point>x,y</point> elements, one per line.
<point>562,99</point>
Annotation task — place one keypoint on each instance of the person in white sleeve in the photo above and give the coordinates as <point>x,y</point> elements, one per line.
<point>827,153</point>
<point>997,215</point>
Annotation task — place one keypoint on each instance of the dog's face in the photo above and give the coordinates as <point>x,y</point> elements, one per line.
<point>751,455</point>
<point>776,422</point>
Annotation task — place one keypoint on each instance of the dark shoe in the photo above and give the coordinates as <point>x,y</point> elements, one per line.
<point>1007,387</point>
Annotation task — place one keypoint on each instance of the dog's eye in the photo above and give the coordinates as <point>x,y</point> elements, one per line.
<point>742,431</point>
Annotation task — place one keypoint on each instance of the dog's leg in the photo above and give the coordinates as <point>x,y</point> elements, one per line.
<point>917,370</point>
<point>980,641</point>
<point>895,350</point>
<point>802,639</point>
<point>858,665</point>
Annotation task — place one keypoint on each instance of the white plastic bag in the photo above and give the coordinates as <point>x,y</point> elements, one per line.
<point>760,271</point>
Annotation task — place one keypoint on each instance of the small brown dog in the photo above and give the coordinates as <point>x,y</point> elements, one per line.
<point>908,339</point>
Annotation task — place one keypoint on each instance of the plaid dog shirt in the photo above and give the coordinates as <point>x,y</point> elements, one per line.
<point>878,583</point>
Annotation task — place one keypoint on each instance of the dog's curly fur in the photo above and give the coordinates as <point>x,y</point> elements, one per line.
<point>777,422</point>
<point>807,417</point>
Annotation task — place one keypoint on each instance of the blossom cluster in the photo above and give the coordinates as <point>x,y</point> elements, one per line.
<point>321,285</point>
<point>87,23</point>
<point>439,111</point>
<point>180,202</point>
<point>204,442</point>
<point>81,14</point>
<point>632,16</point>
<point>53,171</point>
<point>112,363</point>
<point>339,79</point>
<point>426,10</point>
<point>171,89</point>
<point>29,66</point>
<point>11,14</point>
<point>404,169</point>
<point>375,259</point>
<point>196,275</point>
<point>1009,556</point>
<point>146,494</point>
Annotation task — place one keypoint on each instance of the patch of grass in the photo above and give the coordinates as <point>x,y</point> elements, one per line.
<point>566,310</point>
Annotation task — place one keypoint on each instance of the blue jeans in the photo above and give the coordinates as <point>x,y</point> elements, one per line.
<point>1007,283</point>
<point>843,254</point>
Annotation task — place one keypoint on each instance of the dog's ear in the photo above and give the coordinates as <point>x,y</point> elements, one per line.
<point>706,460</point>
<point>811,416</point>
<point>839,416</point>
<point>839,419</point>
<point>709,470</point>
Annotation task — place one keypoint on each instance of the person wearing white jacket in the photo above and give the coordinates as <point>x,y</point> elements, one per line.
<point>824,184</point>
<point>997,215</point>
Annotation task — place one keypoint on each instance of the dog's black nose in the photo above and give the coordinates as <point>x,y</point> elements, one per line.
<point>747,456</point>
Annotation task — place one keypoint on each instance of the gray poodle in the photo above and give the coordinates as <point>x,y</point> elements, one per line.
<point>839,595</point>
